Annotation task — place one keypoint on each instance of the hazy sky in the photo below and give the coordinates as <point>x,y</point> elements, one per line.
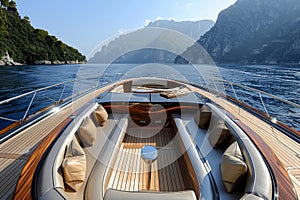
<point>84,24</point>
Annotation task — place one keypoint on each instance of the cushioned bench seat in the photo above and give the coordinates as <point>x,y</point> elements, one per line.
<point>51,184</point>
<point>200,168</point>
<point>121,195</point>
<point>258,181</point>
<point>109,134</point>
<point>213,156</point>
<point>99,176</point>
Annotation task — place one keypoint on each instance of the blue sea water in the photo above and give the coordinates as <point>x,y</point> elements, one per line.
<point>279,80</point>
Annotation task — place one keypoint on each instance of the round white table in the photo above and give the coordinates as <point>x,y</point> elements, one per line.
<point>149,155</point>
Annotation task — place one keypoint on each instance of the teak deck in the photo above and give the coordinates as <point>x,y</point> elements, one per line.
<point>168,173</point>
<point>285,148</point>
<point>15,152</point>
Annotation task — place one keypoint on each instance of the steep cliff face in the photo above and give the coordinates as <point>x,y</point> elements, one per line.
<point>256,31</point>
<point>193,29</point>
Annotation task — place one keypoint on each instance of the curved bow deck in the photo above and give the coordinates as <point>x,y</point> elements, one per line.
<point>15,152</point>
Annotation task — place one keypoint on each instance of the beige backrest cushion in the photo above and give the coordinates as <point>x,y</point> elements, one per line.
<point>101,115</point>
<point>112,194</point>
<point>203,116</point>
<point>219,134</point>
<point>87,132</point>
<point>251,197</point>
<point>74,166</point>
<point>233,167</point>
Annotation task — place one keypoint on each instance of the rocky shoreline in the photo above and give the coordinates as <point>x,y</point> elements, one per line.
<point>57,62</point>
<point>6,60</point>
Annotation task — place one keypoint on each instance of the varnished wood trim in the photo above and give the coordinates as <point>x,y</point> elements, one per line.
<point>9,127</point>
<point>192,174</point>
<point>23,188</point>
<point>144,109</point>
<point>254,111</point>
<point>262,115</point>
<point>15,124</point>
<point>284,184</point>
<point>144,112</point>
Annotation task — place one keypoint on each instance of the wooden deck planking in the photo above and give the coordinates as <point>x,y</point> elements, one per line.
<point>129,171</point>
<point>134,175</point>
<point>114,172</point>
<point>176,169</point>
<point>134,171</point>
<point>122,169</point>
<point>175,186</point>
<point>163,169</point>
<point>24,185</point>
<point>166,170</point>
<point>179,179</point>
<point>284,147</point>
<point>295,175</point>
<point>264,129</point>
<point>20,144</point>
<point>10,170</point>
<point>26,141</point>
<point>118,172</point>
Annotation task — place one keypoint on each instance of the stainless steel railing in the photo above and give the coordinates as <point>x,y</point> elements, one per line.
<point>61,92</point>
<point>276,108</point>
<point>225,87</point>
<point>258,92</point>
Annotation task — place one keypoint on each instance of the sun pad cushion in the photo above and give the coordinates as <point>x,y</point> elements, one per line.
<point>87,132</point>
<point>233,167</point>
<point>219,134</point>
<point>74,166</point>
<point>202,117</point>
<point>101,115</point>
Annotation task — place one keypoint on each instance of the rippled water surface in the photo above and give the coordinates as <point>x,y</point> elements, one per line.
<point>279,80</point>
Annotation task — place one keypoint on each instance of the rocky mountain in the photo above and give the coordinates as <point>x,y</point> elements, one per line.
<point>254,31</point>
<point>22,43</point>
<point>115,48</point>
<point>193,29</point>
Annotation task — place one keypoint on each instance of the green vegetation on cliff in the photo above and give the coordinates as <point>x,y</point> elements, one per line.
<point>28,45</point>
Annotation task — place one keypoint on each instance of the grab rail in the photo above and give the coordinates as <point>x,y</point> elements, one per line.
<point>22,113</point>
<point>35,91</point>
<point>234,87</point>
<point>261,92</point>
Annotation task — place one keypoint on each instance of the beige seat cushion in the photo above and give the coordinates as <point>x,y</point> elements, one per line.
<point>87,132</point>
<point>74,166</point>
<point>122,195</point>
<point>101,115</point>
<point>233,167</point>
<point>202,117</point>
<point>219,134</point>
<point>251,197</point>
